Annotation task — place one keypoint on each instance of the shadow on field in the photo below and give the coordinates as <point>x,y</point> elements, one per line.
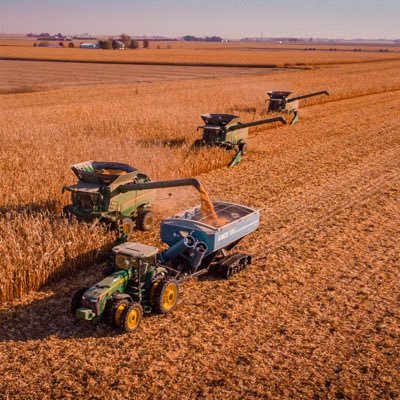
<point>50,315</point>
<point>30,208</point>
<point>171,143</point>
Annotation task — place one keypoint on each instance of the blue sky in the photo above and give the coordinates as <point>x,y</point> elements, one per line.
<point>230,19</point>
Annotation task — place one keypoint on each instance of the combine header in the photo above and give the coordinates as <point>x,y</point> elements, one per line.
<point>141,279</point>
<point>227,131</point>
<point>282,102</point>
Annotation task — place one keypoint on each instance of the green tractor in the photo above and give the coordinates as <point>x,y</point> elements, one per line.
<point>137,285</point>
<point>98,195</point>
<point>228,132</point>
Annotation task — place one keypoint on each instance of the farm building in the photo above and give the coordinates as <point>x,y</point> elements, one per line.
<point>90,46</point>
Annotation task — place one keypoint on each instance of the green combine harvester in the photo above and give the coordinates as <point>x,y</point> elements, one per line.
<point>99,195</point>
<point>228,132</point>
<point>281,101</point>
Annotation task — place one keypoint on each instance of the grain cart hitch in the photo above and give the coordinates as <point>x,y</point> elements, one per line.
<point>280,101</point>
<point>227,131</point>
<point>144,280</point>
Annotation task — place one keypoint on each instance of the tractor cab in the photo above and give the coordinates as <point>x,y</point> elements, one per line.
<point>134,257</point>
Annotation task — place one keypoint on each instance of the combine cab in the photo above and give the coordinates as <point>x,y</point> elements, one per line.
<point>280,101</point>
<point>227,131</point>
<point>97,195</point>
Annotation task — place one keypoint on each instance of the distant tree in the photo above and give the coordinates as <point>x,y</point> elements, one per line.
<point>61,44</point>
<point>213,39</point>
<point>134,44</point>
<point>190,38</point>
<point>106,44</point>
<point>125,39</point>
<point>34,44</point>
<point>71,45</point>
<point>146,44</point>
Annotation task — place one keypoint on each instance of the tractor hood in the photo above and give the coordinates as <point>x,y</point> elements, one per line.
<point>96,295</point>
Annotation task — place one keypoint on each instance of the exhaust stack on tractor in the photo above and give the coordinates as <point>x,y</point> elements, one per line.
<point>227,131</point>
<point>280,101</point>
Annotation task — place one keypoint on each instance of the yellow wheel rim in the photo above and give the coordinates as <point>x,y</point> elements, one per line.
<point>169,296</point>
<point>118,313</point>
<point>133,319</point>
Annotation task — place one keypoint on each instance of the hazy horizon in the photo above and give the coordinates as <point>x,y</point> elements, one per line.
<point>234,19</point>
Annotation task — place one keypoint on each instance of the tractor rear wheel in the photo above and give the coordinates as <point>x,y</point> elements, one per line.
<point>76,301</point>
<point>132,317</point>
<point>114,312</point>
<point>165,296</point>
<point>145,221</point>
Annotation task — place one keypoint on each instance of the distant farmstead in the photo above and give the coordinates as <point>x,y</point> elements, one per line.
<point>90,46</point>
<point>118,45</point>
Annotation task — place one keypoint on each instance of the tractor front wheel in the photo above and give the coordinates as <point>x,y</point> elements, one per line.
<point>132,317</point>
<point>165,296</point>
<point>76,301</point>
<point>145,221</point>
<point>114,312</point>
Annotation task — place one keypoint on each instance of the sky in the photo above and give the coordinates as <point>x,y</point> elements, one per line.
<point>347,19</point>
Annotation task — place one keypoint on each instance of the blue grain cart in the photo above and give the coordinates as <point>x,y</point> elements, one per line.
<point>235,221</point>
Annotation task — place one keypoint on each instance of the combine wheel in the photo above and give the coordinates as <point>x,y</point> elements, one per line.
<point>114,312</point>
<point>76,301</point>
<point>132,317</point>
<point>243,148</point>
<point>145,221</point>
<point>165,296</point>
